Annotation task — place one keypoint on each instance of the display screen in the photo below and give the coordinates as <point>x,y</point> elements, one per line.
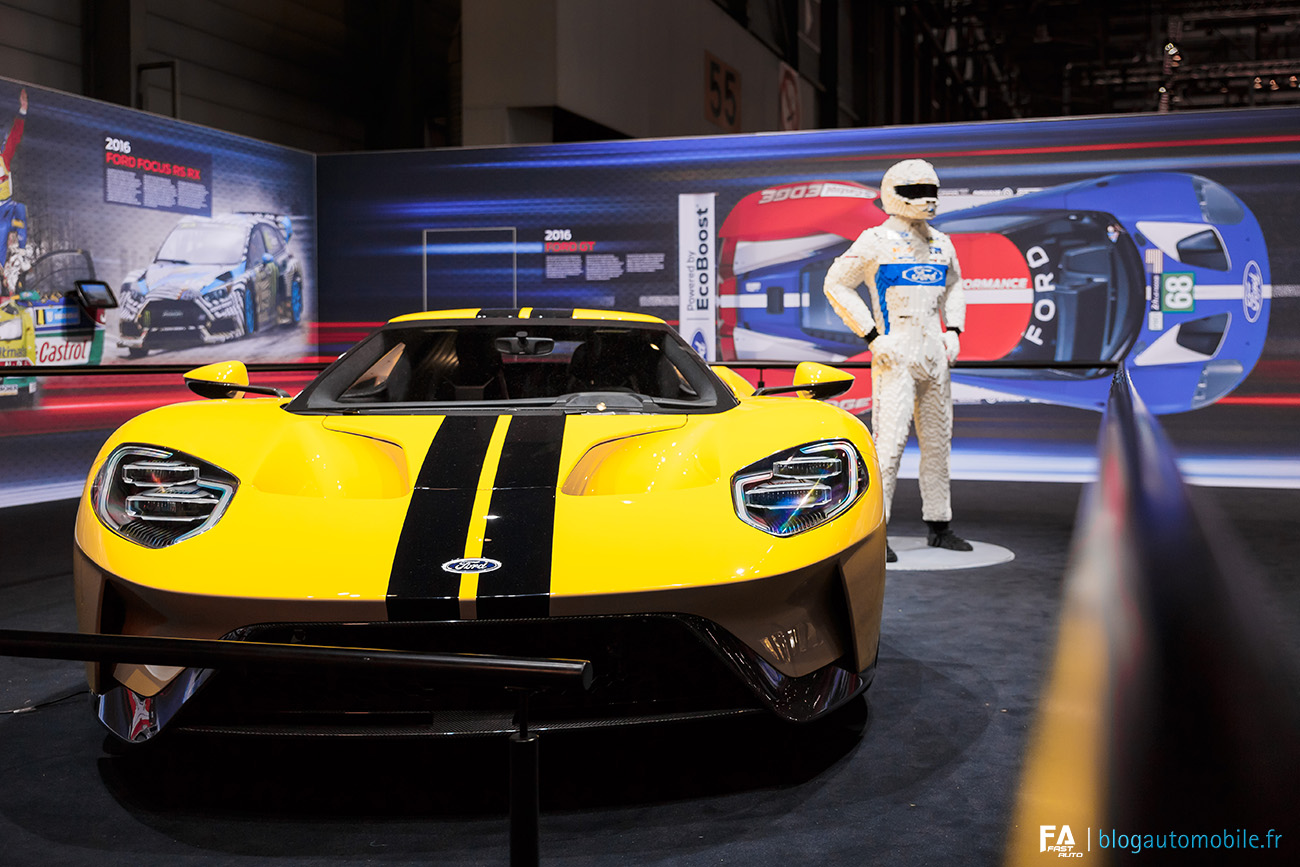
<point>95,295</point>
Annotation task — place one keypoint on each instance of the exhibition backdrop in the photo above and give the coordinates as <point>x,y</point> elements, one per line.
<point>112,184</point>
<point>730,236</point>
<point>1167,241</point>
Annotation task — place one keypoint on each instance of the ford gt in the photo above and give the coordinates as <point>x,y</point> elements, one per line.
<point>528,482</point>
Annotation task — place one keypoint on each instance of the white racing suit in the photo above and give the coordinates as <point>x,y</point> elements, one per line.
<point>913,275</point>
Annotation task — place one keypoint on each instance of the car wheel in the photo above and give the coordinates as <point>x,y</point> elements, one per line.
<point>250,312</point>
<point>295,299</point>
<point>136,352</point>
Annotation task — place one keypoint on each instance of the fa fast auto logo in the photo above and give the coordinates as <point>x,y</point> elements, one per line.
<point>471,566</point>
<point>1252,291</point>
<point>923,274</point>
<point>1059,843</point>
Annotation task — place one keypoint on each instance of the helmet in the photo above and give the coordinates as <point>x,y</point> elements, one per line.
<point>910,190</point>
<point>6,188</point>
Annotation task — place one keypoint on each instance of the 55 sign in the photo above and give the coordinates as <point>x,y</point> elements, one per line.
<point>721,94</point>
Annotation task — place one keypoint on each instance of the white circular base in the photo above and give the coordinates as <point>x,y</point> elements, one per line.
<point>915,555</point>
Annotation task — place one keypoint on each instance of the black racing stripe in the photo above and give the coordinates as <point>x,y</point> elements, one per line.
<point>437,522</point>
<point>523,530</point>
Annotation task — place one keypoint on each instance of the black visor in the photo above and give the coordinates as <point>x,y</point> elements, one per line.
<point>917,191</point>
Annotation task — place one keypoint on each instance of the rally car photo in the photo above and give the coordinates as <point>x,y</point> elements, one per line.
<point>1165,271</point>
<point>528,482</point>
<point>212,280</point>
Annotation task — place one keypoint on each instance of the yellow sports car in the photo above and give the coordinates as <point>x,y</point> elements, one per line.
<point>548,483</point>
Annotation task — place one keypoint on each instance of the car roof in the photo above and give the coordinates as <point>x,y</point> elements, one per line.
<point>246,220</point>
<point>528,313</point>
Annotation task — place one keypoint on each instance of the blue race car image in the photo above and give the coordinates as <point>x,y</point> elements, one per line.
<point>1167,272</point>
<point>1163,270</point>
<point>213,279</point>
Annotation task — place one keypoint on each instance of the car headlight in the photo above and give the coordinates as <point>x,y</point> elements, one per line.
<point>11,329</point>
<point>800,488</point>
<point>157,497</point>
<point>219,289</point>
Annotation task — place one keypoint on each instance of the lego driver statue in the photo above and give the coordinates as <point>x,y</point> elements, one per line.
<point>912,328</point>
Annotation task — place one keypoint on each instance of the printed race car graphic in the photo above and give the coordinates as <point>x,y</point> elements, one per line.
<point>556,483</point>
<point>1166,271</point>
<point>45,322</point>
<point>212,280</point>
<point>17,349</point>
<point>777,246</point>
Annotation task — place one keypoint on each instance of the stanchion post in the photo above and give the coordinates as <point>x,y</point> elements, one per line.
<point>524,796</point>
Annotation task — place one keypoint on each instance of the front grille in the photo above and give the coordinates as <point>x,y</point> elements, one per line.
<point>154,535</point>
<point>225,325</point>
<point>443,724</point>
<point>647,667</point>
<point>171,314</point>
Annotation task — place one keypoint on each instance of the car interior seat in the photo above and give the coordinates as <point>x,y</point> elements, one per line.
<point>477,374</point>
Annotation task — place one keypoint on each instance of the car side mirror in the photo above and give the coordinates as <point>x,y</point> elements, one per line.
<point>820,381</point>
<point>226,380</point>
<point>95,295</point>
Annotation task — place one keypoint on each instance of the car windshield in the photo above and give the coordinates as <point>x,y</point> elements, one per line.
<point>203,244</point>
<point>1089,284</point>
<point>578,366</point>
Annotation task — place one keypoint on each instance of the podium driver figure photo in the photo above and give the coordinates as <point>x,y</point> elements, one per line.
<point>919,312</point>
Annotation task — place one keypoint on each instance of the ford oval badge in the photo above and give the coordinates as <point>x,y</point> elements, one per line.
<point>923,274</point>
<point>1252,291</point>
<point>471,566</point>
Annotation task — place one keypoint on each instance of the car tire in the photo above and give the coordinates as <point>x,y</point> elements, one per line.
<point>136,352</point>
<point>250,312</point>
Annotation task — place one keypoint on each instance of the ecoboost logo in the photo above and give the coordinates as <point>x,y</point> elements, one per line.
<point>1059,843</point>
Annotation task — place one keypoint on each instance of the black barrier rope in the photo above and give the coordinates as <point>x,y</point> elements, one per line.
<point>161,369</point>
<point>524,674</point>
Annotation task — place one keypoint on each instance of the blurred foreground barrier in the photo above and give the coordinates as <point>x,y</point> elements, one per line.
<point>1169,729</point>
<point>524,675</point>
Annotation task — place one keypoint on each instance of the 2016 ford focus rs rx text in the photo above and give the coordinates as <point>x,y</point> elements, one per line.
<point>529,482</point>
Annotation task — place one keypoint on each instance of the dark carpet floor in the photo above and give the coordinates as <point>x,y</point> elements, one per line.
<point>923,772</point>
